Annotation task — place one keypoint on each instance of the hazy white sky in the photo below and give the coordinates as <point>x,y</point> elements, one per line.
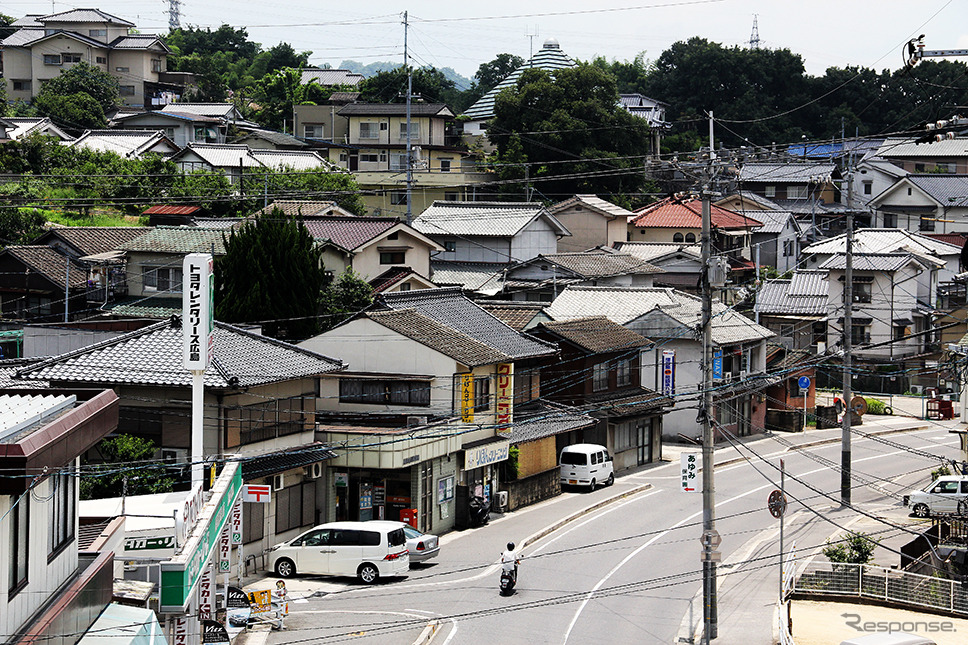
<point>463,35</point>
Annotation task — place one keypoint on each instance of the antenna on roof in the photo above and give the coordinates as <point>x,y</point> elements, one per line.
<point>531,38</point>
<point>174,15</point>
<point>755,35</point>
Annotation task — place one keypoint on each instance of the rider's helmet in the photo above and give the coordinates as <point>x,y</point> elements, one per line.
<point>510,546</point>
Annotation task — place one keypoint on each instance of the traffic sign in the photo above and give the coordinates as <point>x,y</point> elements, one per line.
<point>777,504</point>
<point>711,538</point>
<point>859,405</point>
<point>804,382</point>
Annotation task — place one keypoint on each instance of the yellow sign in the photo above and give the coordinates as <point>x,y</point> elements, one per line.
<point>505,396</point>
<point>467,398</point>
<point>260,601</point>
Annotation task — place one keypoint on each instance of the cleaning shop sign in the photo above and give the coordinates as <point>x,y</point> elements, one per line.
<point>490,453</point>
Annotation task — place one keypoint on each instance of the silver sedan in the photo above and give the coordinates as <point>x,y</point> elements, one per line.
<point>422,546</point>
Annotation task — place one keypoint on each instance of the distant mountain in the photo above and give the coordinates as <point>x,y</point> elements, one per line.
<point>462,82</point>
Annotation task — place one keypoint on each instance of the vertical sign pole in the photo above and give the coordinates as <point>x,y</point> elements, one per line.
<point>783,496</point>
<point>198,344</point>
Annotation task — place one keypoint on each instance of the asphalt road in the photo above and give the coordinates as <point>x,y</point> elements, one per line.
<point>629,571</point>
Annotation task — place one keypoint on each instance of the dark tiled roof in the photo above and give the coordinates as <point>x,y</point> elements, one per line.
<point>277,138</point>
<point>50,264</point>
<point>595,334</point>
<point>436,335</point>
<point>178,239</point>
<point>348,232</point>
<point>627,402</point>
<point>91,240</point>
<point>85,15</point>
<point>277,462</point>
<point>389,278</point>
<point>789,358</point>
<point>452,308</point>
<point>153,356</point>
<point>394,109</point>
<point>298,207</point>
<point>590,265</point>
<point>949,190</point>
<point>539,419</point>
<point>517,315</point>
<point>10,367</point>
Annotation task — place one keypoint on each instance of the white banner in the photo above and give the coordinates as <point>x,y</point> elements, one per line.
<point>206,594</point>
<point>236,522</point>
<point>689,472</point>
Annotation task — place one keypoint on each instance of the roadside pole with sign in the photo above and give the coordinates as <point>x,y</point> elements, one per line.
<point>688,471</point>
<point>198,342</point>
<point>804,383</point>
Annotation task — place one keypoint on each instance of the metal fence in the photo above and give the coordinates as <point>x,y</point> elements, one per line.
<point>880,583</point>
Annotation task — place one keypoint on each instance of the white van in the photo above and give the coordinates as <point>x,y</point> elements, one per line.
<point>585,464</point>
<point>369,550</point>
<point>940,496</point>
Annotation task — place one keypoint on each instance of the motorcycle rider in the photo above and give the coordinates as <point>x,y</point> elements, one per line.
<point>510,560</point>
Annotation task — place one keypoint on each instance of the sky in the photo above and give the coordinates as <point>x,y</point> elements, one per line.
<point>463,35</point>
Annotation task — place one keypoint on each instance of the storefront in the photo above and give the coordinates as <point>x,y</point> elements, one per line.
<point>480,475</point>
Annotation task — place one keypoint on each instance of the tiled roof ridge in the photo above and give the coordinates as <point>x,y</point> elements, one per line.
<point>39,247</point>
<point>379,315</point>
<point>275,341</point>
<point>501,204</point>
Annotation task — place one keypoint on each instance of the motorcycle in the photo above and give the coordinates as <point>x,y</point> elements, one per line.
<point>479,511</point>
<point>508,580</point>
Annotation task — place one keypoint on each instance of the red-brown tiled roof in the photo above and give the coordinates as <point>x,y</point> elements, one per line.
<point>687,213</point>
<point>957,239</point>
<point>348,232</point>
<point>50,264</point>
<point>172,210</point>
<point>389,278</point>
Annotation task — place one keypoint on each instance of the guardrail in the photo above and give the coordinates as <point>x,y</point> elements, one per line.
<point>881,583</point>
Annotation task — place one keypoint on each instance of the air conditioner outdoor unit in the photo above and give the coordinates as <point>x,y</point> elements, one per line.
<point>916,389</point>
<point>502,499</point>
<point>314,471</point>
<point>743,375</point>
<point>278,482</point>
<point>727,377</point>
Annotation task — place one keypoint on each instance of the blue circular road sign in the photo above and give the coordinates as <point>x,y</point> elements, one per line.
<point>804,382</point>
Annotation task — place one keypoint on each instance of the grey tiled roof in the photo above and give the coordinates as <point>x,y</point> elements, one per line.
<point>91,240</point>
<point>595,203</point>
<point>595,334</point>
<point>774,221</point>
<point>781,173</point>
<point>627,402</point>
<point>808,283</point>
<point>482,277</point>
<point>902,148</point>
<point>153,356</point>
<point>539,419</point>
<point>330,76</point>
<point>873,262</point>
<point>50,264</point>
<point>277,462</point>
<point>124,143</point>
<point>138,41</point>
<point>150,307</point>
<point>276,138</point>
<point>490,219</point>
<point>23,37</point>
<point>591,265</point>
<point>221,155</point>
<point>549,58</point>
<point>178,239</point>
<point>395,109</point>
<point>298,207</point>
<point>947,190</point>
<point>295,159</point>
<point>649,251</point>
<point>85,15</point>
<point>452,308</point>
<point>884,240</point>
<point>517,315</point>
<point>440,337</point>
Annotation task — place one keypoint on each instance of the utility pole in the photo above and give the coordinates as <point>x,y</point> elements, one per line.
<point>710,538</point>
<point>406,63</point>
<point>848,310</point>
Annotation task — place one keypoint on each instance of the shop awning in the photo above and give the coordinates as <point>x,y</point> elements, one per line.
<point>277,462</point>
<point>123,625</point>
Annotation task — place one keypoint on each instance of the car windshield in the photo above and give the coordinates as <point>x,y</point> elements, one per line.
<point>574,458</point>
<point>411,532</point>
<point>397,538</point>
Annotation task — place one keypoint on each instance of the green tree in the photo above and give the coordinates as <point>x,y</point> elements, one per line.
<point>571,131</point>
<point>348,295</point>
<point>211,190</point>
<point>271,273</point>
<point>854,548</point>
<point>317,185</point>
<point>428,82</point>
<point>277,92</point>
<point>631,76</point>
<point>73,112</point>
<point>84,78</point>
<point>125,457</point>
<point>5,28</point>
<point>19,225</point>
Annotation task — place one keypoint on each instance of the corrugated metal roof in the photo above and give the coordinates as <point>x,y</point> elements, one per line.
<point>904,148</point>
<point>330,76</point>
<point>808,283</point>
<point>441,337</point>
<point>775,297</point>
<point>395,109</point>
<point>295,159</point>
<point>947,190</point>
<point>153,356</point>
<point>549,58</point>
<point>179,240</point>
<point>491,219</point>
<point>784,173</point>
<point>50,264</point>
<point>884,240</point>
<point>673,212</point>
<point>452,308</point>
<point>540,418</point>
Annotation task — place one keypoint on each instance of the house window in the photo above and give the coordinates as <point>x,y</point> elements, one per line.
<point>926,224</point>
<point>890,220</point>
<point>393,257</point>
<point>370,158</point>
<point>797,192</point>
<point>161,278</point>
<point>123,70</point>
<point>18,552</point>
<point>343,158</point>
<point>623,372</point>
<point>450,246</point>
<point>900,332</point>
<point>61,512</point>
<point>405,286</point>
<point>599,376</point>
<point>101,60</point>
<point>414,131</point>
<point>313,131</point>
<point>369,130</point>
<point>868,188</point>
<point>384,392</point>
<point>394,236</point>
<point>52,59</point>
<point>677,238</point>
<point>526,386</point>
<point>445,164</point>
<point>919,167</point>
<point>126,90</point>
<point>789,248</point>
<point>482,394</point>
<point>70,58</point>
<point>21,86</point>
<point>862,290</point>
<point>97,33</point>
<point>295,506</point>
<point>859,335</point>
<point>451,197</point>
<point>770,191</point>
<point>398,162</point>
<point>38,306</point>
<point>156,65</point>
<point>397,198</point>
<point>787,331</point>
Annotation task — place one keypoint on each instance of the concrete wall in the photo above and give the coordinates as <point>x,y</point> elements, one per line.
<point>538,238</point>
<point>367,261</point>
<point>533,489</point>
<point>589,229</point>
<point>663,235</point>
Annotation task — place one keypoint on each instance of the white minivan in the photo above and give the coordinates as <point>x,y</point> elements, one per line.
<point>940,496</point>
<point>585,464</point>
<point>369,550</point>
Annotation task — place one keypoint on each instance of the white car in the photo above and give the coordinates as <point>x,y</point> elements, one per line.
<point>422,546</point>
<point>940,496</point>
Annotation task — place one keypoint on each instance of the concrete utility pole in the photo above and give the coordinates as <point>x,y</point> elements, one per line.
<point>406,63</point>
<point>848,310</point>
<point>710,538</point>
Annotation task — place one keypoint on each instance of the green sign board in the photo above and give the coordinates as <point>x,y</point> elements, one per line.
<point>180,575</point>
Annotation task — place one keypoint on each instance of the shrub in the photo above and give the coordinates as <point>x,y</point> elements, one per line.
<point>855,548</point>
<point>875,406</point>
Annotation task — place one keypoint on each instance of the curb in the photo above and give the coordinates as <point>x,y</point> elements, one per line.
<point>428,633</point>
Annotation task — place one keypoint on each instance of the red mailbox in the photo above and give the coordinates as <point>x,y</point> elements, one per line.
<point>409,515</point>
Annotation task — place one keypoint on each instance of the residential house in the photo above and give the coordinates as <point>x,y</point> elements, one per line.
<point>872,176</point>
<point>438,357</point>
<point>681,263</point>
<point>549,58</point>
<point>949,156</point>
<point>16,128</point>
<point>259,402</point>
<point>592,221</point>
<point>275,159</point>
<point>788,406</point>
<point>226,113</point>
<point>811,191</point>
<point>376,154</point>
<point>130,144</point>
<point>672,320</point>
<point>50,589</point>
<point>181,128</point>
<point>259,139</point>
<point>330,77</point>
<point>776,244</point>
<point>320,124</point>
<point>654,113</point>
<point>500,232</point>
<point>234,159</point>
<point>39,284</point>
<point>887,240</point>
<point>795,309</point>
<point>935,203</point>
<point>543,277</point>
<point>599,371</point>
<point>304,208</point>
<point>46,45</point>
